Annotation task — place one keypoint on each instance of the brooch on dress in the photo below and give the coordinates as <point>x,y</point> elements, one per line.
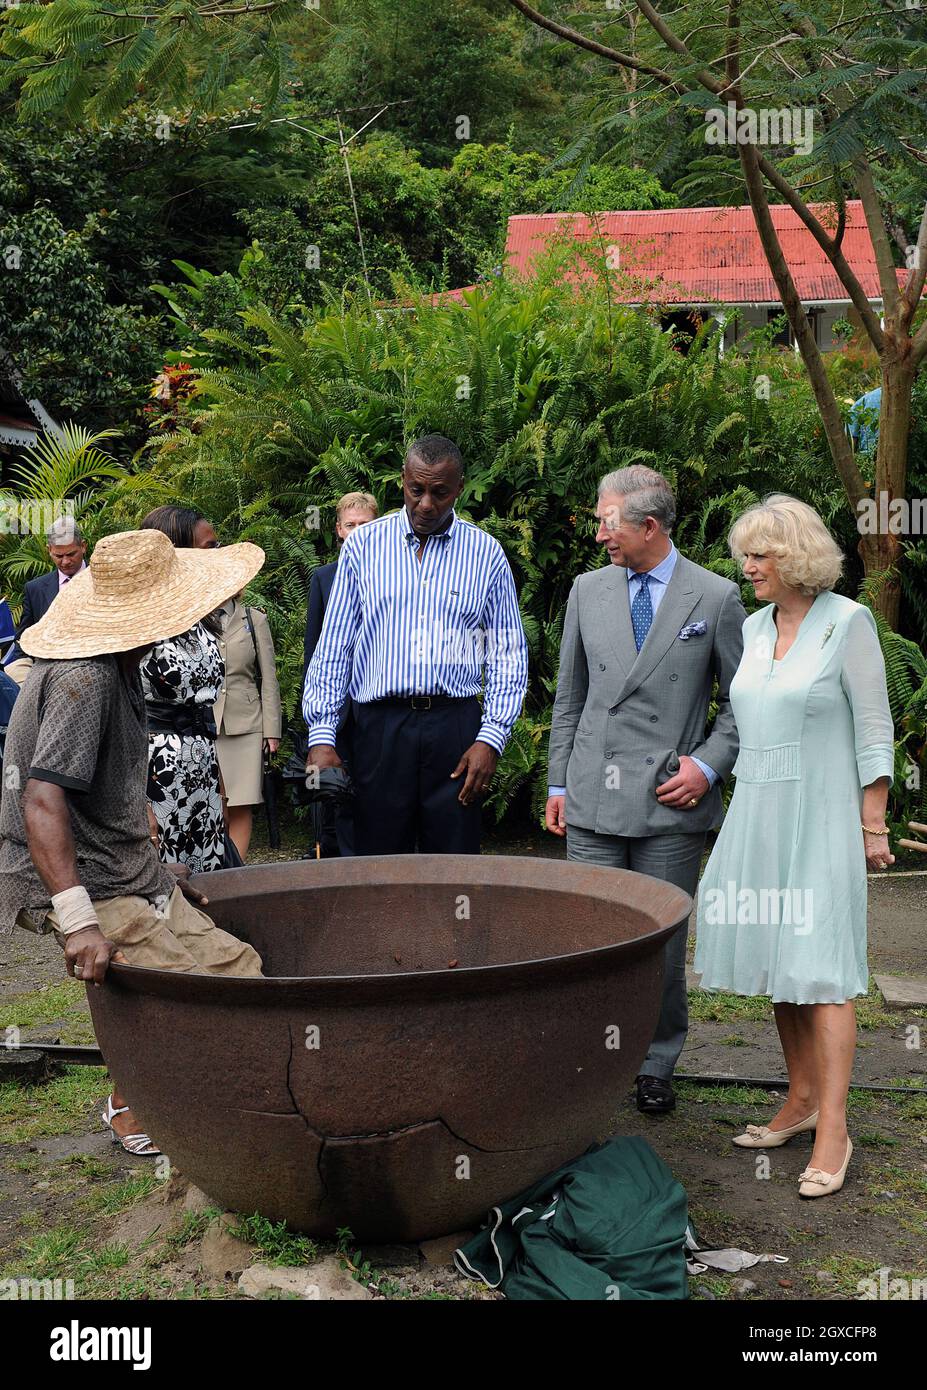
<point>827,633</point>
<point>692,630</point>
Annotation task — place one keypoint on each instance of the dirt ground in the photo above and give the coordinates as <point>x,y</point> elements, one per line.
<point>73,1205</point>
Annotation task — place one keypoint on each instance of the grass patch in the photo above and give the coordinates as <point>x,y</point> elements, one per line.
<point>193,1226</point>
<point>908,1107</point>
<point>710,1006</point>
<point>801,1235</point>
<point>871,1139</point>
<point>906,1201</point>
<point>275,1242</point>
<point>859,1102</point>
<point>700,1288</point>
<point>849,1272</point>
<point>64,1003</point>
<point>724,1094</point>
<point>106,1257</point>
<point>52,1254</point>
<point>116,1197</point>
<point>912,1107</point>
<point>63,1253</point>
<point>58,1106</point>
<point>717,1007</point>
<point>871,1012</point>
<point>89,1167</point>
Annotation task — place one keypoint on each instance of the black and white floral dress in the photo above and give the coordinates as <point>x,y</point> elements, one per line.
<point>183,771</point>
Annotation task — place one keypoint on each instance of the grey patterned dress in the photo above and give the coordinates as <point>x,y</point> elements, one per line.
<point>183,772</point>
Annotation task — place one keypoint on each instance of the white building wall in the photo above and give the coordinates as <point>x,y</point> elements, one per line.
<point>757,316</point>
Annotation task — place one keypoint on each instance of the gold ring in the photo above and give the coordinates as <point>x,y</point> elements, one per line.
<point>694,801</point>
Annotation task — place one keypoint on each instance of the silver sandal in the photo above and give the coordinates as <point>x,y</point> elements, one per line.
<point>138,1144</point>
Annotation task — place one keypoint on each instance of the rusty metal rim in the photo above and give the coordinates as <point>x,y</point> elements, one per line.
<point>273,990</point>
<point>439,870</point>
<point>281,989</point>
<point>485,870</point>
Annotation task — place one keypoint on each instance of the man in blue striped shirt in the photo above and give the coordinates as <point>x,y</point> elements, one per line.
<point>422,615</point>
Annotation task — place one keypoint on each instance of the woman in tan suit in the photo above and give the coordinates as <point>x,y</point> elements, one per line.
<point>247,713</point>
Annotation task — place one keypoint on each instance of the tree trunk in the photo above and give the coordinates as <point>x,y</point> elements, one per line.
<point>880,545</point>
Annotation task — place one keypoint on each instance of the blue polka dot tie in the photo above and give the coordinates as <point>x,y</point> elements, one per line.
<point>642,611</point>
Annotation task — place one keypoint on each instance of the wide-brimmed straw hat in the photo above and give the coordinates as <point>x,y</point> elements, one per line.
<point>136,591</point>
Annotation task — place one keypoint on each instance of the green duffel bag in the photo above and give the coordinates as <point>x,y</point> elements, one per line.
<point>608,1225</point>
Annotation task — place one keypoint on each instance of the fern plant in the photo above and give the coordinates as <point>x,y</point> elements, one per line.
<point>60,475</point>
<point>545,386</point>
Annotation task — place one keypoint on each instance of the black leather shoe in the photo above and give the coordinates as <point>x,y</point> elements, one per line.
<point>655,1095</point>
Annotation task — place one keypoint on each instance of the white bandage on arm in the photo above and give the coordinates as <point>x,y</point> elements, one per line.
<point>74,910</point>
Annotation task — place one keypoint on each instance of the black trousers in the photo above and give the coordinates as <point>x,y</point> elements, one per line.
<point>405,800</point>
<point>337,840</point>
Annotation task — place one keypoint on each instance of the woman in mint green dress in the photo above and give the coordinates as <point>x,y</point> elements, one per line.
<point>782,902</point>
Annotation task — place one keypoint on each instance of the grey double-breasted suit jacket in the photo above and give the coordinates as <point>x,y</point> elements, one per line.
<point>622,718</point>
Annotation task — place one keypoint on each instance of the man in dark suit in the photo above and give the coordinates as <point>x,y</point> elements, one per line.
<point>352,510</point>
<point>67,551</point>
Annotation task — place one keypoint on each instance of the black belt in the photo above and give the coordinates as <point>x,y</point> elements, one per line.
<point>165,718</point>
<point>422,702</point>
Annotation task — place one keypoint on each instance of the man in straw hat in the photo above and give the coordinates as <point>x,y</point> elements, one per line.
<point>76,854</point>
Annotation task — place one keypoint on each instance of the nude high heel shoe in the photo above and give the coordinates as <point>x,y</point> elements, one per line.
<point>760,1137</point>
<point>814,1182</point>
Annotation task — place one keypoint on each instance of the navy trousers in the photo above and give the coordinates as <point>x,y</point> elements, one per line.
<point>405,800</point>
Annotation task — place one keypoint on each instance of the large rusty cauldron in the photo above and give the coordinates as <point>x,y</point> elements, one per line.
<point>439,1031</point>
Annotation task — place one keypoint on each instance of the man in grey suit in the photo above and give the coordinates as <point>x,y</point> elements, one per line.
<point>67,551</point>
<point>634,778</point>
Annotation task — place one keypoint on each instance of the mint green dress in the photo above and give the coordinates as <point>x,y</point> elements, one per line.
<point>782,901</point>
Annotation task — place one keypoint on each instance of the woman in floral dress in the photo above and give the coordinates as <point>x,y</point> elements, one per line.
<point>182,678</point>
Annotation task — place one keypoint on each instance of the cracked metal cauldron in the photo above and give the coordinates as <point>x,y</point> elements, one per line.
<point>439,1032</point>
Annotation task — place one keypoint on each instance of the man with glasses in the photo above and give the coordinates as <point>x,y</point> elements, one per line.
<point>635,775</point>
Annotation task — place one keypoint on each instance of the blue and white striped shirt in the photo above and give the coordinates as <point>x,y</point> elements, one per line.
<point>397,625</point>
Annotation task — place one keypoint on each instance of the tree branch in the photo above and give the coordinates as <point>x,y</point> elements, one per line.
<point>830,246</point>
<point>876,224</point>
<point>919,346</point>
<point>842,454</point>
<point>911,295</point>
<point>756,189</point>
<point>613,55</point>
<point>676,45</point>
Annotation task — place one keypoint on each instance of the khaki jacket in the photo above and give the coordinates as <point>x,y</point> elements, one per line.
<point>239,708</point>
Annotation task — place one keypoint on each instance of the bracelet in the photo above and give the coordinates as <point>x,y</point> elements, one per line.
<point>870,831</point>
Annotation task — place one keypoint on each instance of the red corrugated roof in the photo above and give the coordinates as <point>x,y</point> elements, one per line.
<point>454,296</point>
<point>701,256</point>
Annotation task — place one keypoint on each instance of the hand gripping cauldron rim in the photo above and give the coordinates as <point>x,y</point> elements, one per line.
<point>484,871</point>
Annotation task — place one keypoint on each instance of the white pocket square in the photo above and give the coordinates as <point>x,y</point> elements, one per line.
<point>693,630</point>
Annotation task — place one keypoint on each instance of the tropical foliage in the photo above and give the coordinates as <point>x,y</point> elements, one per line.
<point>181,276</point>
<point>544,386</point>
